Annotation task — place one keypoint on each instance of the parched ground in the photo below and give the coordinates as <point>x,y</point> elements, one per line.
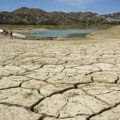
<point>59,80</point>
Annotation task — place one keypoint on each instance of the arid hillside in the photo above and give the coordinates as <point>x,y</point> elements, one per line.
<point>33,16</point>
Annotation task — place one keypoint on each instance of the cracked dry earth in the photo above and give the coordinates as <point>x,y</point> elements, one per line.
<point>59,80</point>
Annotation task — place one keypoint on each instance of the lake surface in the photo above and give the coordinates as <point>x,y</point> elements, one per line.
<point>58,33</point>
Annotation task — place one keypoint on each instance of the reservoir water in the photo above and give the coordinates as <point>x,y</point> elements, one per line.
<point>58,33</point>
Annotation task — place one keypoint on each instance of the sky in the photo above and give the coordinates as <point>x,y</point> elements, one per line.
<point>97,6</point>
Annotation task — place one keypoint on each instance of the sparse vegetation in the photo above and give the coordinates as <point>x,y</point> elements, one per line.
<point>28,95</point>
<point>73,94</point>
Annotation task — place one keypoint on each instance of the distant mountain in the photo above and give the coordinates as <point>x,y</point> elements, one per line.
<point>27,16</point>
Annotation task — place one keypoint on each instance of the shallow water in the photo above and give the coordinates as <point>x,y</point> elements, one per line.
<point>57,33</point>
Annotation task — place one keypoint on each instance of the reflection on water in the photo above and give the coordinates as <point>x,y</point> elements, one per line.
<point>58,33</point>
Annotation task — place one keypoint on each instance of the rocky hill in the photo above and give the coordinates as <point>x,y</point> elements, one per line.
<point>35,16</point>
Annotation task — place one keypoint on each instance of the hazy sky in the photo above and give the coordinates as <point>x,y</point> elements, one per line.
<point>99,6</point>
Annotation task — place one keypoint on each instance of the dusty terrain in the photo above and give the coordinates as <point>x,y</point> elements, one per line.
<point>60,80</point>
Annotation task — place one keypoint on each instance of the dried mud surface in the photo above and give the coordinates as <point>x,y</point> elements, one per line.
<point>59,80</point>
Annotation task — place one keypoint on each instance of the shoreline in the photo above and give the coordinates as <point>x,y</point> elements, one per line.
<point>23,29</point>
<point>91,36</point>
<point>32,27</point>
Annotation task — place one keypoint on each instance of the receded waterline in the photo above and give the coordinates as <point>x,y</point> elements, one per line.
<point>58,33</point>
